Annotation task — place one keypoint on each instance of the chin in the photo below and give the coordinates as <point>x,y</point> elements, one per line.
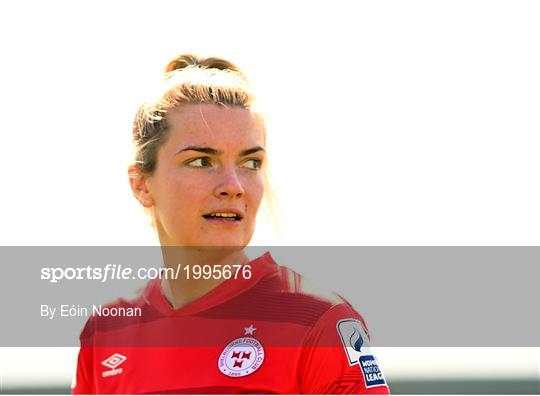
<point>225,243</point>
<point>208,241</point>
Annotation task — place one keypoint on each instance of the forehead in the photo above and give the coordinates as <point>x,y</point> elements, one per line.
<point>215,126</point>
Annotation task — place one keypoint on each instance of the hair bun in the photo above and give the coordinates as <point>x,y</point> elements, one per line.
<point>187,60</point>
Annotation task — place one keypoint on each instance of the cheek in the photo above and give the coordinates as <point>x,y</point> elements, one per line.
<point>257,187</point>
<point>184,192</point>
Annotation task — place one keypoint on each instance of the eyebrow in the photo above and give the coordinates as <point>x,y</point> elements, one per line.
<point>210,150</point>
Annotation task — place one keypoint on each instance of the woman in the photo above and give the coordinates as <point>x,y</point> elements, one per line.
<point>250,327</point>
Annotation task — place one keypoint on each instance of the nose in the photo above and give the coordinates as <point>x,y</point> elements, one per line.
<point>229,184</point>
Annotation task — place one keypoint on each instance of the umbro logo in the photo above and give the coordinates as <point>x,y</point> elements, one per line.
<point>113,362</point>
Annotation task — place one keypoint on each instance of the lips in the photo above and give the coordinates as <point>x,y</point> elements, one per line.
<point>229,215</point>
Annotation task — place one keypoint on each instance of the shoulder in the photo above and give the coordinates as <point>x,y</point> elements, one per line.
<point>119,314</point>
<point>285,295</point>
<point>335,316</point>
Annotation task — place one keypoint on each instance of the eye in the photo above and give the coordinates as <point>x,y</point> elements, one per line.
<point>201,162</point>
<point>252,163</point>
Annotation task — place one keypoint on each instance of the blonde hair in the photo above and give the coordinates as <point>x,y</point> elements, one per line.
<point>190,79</point>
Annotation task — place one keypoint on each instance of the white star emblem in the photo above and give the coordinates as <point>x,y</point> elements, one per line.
<point>249,330</point>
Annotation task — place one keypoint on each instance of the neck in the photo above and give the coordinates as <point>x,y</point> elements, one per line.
<point>192,264</point>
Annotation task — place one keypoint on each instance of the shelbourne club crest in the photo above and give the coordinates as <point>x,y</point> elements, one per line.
<point>241,357</point>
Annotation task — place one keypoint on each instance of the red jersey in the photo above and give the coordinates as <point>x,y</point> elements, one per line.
<point>272,333</point>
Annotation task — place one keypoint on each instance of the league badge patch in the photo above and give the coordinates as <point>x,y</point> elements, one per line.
<point>355,342</point>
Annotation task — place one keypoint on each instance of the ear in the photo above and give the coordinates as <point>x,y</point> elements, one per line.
<point>139,186</point>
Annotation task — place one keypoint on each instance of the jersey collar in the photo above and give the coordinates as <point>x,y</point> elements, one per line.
<point>260,267</point>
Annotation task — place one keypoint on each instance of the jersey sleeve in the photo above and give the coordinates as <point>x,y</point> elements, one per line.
<point>85,363</point>
<point>83,377</point>
<point>337,358</point>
